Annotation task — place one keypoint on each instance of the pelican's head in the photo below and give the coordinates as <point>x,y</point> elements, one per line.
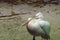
<point>39,15</point>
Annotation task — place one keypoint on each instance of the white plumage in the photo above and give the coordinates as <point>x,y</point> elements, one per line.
<point>38,27</point>
<point>39,15</point>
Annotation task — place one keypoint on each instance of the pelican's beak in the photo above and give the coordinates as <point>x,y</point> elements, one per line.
<point>24,23</point>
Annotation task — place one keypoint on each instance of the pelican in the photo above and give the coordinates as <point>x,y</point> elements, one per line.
<point>38,27</point>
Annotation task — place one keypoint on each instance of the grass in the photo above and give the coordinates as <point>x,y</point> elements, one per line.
<point>12,29</point>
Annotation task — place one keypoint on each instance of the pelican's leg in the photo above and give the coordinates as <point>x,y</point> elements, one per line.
<point>33,37</point>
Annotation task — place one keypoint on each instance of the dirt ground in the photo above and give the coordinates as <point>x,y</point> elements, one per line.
<point>11,29</point>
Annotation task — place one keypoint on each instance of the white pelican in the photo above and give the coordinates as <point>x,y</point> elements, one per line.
<point>38,27</point>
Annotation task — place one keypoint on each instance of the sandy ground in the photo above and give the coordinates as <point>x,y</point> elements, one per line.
<point>12,30</point>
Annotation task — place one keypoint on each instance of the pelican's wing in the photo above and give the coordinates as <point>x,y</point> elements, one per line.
<point>45,26</point>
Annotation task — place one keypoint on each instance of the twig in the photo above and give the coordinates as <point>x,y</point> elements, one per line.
<point>8,15</point>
